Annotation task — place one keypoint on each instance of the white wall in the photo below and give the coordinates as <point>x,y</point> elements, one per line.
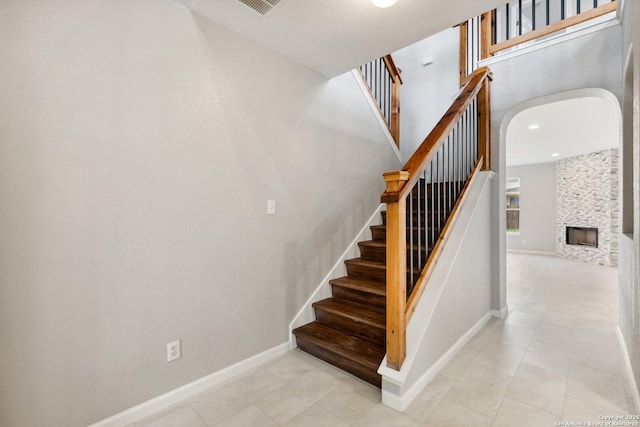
<point>138,147</point>
<point>629,262</point>
<point>427,91</point>
<point>588,60</point>
<point>537,207</point>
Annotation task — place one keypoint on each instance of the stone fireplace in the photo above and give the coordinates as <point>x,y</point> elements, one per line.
<point>587,207</point>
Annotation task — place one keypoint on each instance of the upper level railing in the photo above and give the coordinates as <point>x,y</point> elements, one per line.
<point>383,79</point>
<point>522,21</point>
<point>422,201</point>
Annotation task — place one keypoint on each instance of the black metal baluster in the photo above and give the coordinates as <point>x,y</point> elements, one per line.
<point>452,194</point>
<point>430,194</point>
<point>439,192</point>
<point>389,90</point>
<point>378,80</point>
<point>447,195</point>
<point>473,44</point>
<point>578,7</point>
<point>450,178</point>
<point>421,208</point>
<point>533,15</point>
<point>386,95</point>
<point>520,17</point>
<point>562,10</point>
<point>411,211</point>
<point>508,22</point>
<point>494,25</point>
<point>465,122</point>
<point>548,13</point>
<point>476,51</point>
<point>477,139</point>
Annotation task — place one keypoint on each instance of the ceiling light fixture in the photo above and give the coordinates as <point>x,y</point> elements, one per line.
<point>534,127</point>
<point>383,3</point>
<point>555,154</point>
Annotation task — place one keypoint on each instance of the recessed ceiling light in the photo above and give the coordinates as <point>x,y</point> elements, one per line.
<point>383,3</point>
<point>555,154</point>
<point>534,127</point>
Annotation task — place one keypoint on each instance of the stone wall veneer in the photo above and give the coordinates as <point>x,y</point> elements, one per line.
<point>587,196</point>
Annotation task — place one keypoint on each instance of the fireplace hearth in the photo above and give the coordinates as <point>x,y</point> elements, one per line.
<point>582,236</point>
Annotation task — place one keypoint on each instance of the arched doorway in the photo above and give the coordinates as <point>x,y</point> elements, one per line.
<point>538,134</point>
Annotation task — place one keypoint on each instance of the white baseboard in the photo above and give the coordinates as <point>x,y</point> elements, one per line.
<point>402,402</point>
<point>629,368</point>
<point>500,314</point>
<point>179,394</point>
<point>527,252</point>
<point>323,290</point>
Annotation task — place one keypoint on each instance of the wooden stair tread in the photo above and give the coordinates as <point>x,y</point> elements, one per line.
<point>383,245</point>
<point>349,346</point>
<point>368,286</point>
<point>384,227</point>
<point>379,265</point>
<point>354,311</point>
<point>373,243</point>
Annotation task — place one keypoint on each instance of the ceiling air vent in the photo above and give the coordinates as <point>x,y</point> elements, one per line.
<point>261,6</point>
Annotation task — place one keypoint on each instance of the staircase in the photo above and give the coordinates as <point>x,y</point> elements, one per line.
<point>350,327</point>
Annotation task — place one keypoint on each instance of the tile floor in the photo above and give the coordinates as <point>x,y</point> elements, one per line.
<point>554,358</point>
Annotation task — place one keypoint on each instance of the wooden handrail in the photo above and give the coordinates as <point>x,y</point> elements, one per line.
<point>556,26</point>
<point>424,154</point>
<point>400,184</point>
<point>393,70</point>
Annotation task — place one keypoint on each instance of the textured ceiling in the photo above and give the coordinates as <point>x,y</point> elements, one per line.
<point>568,128</point>
<point>335,36</point>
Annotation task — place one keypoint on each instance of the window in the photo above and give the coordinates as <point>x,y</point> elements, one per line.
<point>513,205</point>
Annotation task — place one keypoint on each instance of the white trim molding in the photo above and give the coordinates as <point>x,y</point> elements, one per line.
<point>500,314</point>
<point>179,394</point>
<point>376,113</point>
<point>629,368</point>
<point>528,252</point>
<point>400,403</point>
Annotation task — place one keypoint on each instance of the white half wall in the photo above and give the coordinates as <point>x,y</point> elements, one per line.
<point>455,304</point>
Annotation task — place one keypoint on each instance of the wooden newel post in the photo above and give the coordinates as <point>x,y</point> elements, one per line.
<point>484,124</point>
<point>395,111</point>
<point>487,23</point>
<point>396,271</point>
<point>463,52</point>
<point>394,119</point>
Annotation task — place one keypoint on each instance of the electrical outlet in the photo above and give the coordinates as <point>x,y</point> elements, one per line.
<point>173,350</point>
<point>271,207</point>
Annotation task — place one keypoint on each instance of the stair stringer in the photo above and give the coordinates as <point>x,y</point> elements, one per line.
<point>456,302</point>
<point>307,314</point>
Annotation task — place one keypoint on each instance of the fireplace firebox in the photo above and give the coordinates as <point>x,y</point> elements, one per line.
<point>582,236</point>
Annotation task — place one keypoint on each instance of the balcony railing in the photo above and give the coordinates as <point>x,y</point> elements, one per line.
<point>521,21</point>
